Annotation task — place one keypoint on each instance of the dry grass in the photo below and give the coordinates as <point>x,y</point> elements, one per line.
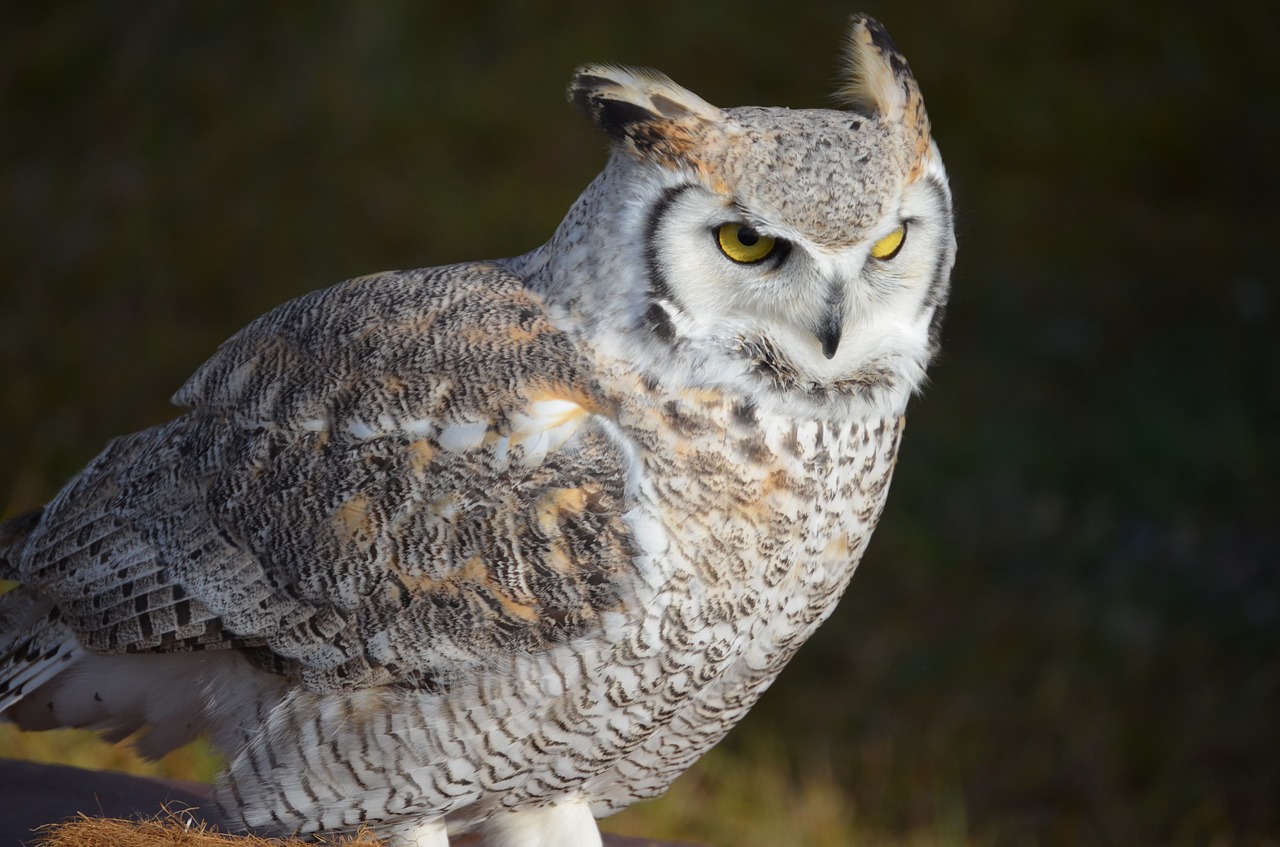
<point>173,831</point>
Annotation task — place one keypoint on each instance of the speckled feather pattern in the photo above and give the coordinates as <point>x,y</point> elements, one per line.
<point>314,449</point>
<point>529,535</point>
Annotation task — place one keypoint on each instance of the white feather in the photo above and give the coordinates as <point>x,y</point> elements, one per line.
<point>457,438</point>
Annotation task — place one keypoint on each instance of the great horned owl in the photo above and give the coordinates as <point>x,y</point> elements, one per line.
<point>508,545</point>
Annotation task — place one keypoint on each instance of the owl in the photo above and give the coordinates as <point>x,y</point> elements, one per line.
<point>505,546</point>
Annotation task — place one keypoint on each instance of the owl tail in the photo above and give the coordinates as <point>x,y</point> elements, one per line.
<point>35,646</point>
<point>35,643</point>
<point>48,681</point>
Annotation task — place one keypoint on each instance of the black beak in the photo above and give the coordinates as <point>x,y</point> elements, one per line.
<point>829,333</point>
<point>831,324</point>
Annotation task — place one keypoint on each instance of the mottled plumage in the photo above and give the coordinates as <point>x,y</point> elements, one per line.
<point>510,544</point>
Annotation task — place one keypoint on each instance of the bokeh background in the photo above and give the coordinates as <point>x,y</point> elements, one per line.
<point>1067,628</point>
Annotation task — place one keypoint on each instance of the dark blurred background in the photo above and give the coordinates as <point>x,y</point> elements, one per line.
<point>1067,628</point>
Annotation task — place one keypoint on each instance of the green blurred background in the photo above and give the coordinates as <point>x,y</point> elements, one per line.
<point>1066,630</point>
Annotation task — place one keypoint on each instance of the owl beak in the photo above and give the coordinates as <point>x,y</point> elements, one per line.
<point>829,331</point>
<point>831,322</point>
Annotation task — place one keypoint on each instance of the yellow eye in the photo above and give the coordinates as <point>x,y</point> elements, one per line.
<point>888,247</point>
<point>743,244</point>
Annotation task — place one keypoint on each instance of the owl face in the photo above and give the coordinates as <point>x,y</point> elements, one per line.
<point>747,279</point>
<point>805,253</point>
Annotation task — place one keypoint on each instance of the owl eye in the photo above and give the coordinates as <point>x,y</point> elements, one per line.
<point>888,247</point>
<point>743,244</point>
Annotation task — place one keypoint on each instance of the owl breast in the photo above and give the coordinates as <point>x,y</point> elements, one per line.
<point>750,525</point>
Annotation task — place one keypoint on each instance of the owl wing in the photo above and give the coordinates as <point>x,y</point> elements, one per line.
<point>391,480</point>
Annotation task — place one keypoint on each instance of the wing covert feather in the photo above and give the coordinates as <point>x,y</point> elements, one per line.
<point>386,481</point>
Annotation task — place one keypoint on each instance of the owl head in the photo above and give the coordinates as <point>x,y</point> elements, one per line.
<point>802,254</point>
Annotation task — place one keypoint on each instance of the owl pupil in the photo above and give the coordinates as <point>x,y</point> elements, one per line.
<point>748,236</point>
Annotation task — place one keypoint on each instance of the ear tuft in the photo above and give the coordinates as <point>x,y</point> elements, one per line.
<point>878,81</point>
<point>643,110</point>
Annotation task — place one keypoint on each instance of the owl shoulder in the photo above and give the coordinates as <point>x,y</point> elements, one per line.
<point>458,341</point>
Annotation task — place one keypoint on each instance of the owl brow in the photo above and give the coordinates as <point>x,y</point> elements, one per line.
<point>784,244</point>
<point>751,220</point>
